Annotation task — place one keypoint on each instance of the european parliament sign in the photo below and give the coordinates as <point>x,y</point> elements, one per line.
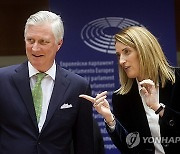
<point>88,47</point>
<point>96,34</point>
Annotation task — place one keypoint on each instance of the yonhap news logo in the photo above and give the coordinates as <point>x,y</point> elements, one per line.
<point>133,139</point>
<point>99,34</point>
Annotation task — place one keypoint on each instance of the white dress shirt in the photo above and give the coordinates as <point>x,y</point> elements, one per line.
<point>153,120</point>
<point>47,85</point>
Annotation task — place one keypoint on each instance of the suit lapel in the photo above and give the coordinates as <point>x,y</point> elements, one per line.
<point>21,80</point>
<point>58,94</point>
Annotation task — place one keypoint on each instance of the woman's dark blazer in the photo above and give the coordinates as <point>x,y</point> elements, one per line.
<point>131,118</point>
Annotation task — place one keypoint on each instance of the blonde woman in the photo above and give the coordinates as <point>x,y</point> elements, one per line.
<point>146,108</point>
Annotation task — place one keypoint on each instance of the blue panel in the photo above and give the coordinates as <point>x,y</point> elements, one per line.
<point>88,47</point>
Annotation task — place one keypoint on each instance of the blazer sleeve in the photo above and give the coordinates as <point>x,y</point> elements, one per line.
<point>170,121</point>
<point>118,136</point>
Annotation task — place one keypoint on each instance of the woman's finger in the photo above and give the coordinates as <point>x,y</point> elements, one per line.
<point>104,103</point>
<point>89,98</point>
<point>144,91</point>
<point>101,94</point>
<point>146,82</point>
<point>100,99</point>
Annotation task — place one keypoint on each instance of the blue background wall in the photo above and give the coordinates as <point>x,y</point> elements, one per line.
<point>90,25</point>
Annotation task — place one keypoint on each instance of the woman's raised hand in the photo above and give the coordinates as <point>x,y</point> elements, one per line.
<point>149,93</point>
<point>100,103</point>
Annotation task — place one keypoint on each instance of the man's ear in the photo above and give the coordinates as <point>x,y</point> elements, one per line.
<point>60,44</point>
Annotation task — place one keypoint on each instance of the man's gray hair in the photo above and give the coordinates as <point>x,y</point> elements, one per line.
<point>49,17</point>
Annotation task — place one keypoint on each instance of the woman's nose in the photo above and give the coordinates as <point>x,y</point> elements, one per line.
<point>122,60</point>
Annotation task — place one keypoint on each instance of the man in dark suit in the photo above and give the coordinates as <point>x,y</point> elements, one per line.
<point>64,117</point>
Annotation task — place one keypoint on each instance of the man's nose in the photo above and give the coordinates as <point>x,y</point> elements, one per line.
<point>35,46</point>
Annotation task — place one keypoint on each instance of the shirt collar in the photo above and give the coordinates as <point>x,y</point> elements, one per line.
<point>51,72</point>
<point>139,86</point>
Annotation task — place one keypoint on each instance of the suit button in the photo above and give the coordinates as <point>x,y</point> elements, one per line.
<point>171,122</point>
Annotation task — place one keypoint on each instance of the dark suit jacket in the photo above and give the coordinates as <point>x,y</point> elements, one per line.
<point>131,117</point>
<point>98,140</point>
<point>18,127</point>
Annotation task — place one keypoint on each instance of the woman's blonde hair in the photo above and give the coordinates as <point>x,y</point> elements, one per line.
<point>153,63</point>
